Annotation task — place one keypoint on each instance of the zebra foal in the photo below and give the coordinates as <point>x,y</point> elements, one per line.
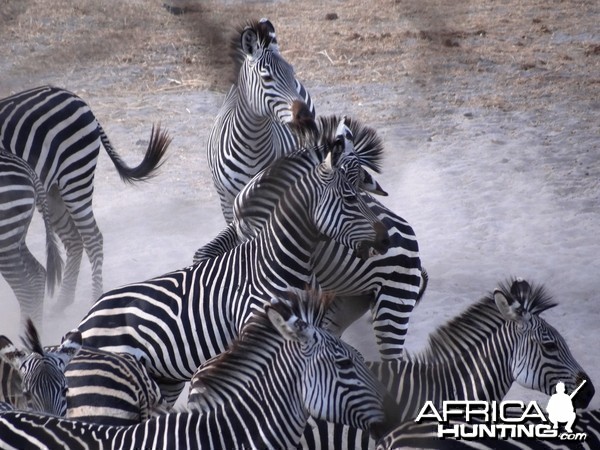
<point>175,322</point>
<point>478,355</point>
<point>57,134</point>
<point>20,192</point>
<point>280,370</point>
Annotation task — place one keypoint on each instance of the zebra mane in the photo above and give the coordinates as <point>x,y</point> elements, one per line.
<point>368,146</point>
<point>31,340</point>
<point>479,322</point>
<point>309,305</point>
<point>266,37</point>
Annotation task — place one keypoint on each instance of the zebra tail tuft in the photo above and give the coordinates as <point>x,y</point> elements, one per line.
<point>153,159</point>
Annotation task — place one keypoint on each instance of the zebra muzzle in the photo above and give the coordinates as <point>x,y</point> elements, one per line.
<point>303,120</point>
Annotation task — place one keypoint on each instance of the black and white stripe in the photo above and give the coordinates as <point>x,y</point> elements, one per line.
<point>253,396</point>
<point>477,356</point>
<point>20,192</point>
<point>174,322</point>
<point>255,126</point>
<point>58,135</point>
<point>37,381</point>
<point>390,284</point>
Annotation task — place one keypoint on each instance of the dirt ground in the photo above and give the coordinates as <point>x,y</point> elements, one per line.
<point>490,111</point>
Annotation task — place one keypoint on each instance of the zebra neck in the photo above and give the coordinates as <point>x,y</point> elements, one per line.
<point>262,136</point>
<point>257,388</point>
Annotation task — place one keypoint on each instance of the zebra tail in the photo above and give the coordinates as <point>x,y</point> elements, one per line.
<point>153,159</point>
<point>54,263</point>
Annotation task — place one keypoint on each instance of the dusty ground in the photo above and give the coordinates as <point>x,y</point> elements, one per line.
<point>490,112</point>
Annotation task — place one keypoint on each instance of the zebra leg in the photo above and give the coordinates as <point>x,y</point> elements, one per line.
<point>27,278</point>
<point>67,232</point>
<point>93,242</point>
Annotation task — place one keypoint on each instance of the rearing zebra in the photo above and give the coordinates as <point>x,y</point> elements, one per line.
<point>20,192</point>
<point>256,124</point>
<point>281,369</point>
<point>175,322</point>
<point>477,356</point>
<point>390,284</point>
<point>58,135</point>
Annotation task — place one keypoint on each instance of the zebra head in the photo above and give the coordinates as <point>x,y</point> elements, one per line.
<point>337,385</point>
<point>352,165</point>
<point>43,381</point>
<point>342,214</point>
<point>540,358</point>
<point>266,81</point>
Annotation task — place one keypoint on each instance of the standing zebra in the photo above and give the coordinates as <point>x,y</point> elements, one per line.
<point>174,322</point>
<point>390,284</point>
<point>20,192</point>
<point>256,124</point>
<point>42,385</point>
<point>281,369</point>
<point>58,135</point>
<point>507,342</point>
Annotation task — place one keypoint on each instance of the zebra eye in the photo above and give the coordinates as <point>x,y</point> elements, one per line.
<point>344,364</point>
<point>550,346</point>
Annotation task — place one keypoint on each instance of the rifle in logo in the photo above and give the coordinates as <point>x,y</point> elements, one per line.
<point>560,407</point>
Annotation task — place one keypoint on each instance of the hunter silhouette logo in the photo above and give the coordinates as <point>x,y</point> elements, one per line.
<point>477,419</point>
<point>560,407</point>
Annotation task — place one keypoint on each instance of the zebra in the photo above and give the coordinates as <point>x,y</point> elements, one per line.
<point>41,384</point>
<point>57,134</point>
<point>104,387</point>
<point>20,192</point>
<point>390,285</point>
<point>262,113</point>
<point>282,368</point>
<point>411,434</point>
<point>176,321</point>
<point>507,342</point>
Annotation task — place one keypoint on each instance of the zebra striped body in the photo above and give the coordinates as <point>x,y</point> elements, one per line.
<point>254,127</point>
<point>40,384</point>
<point>424,435</point>
<point>389,284</point>
<point>174,322</point>
<point>57,134</point>
<point>20,192</point>
<point>502,349</point>
<point>111,388</point>
<point>256,395</point>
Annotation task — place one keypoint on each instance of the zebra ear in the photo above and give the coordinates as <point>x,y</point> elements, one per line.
<point>70,346</point>
<point>290,326</point>
<point>510,309</point>
<point>249,43</point>
<point>11,354</point>
<point>334,154</point>
<point>369,184</point>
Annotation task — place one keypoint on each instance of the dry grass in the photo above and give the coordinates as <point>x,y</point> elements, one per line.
<point>539,49</point>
